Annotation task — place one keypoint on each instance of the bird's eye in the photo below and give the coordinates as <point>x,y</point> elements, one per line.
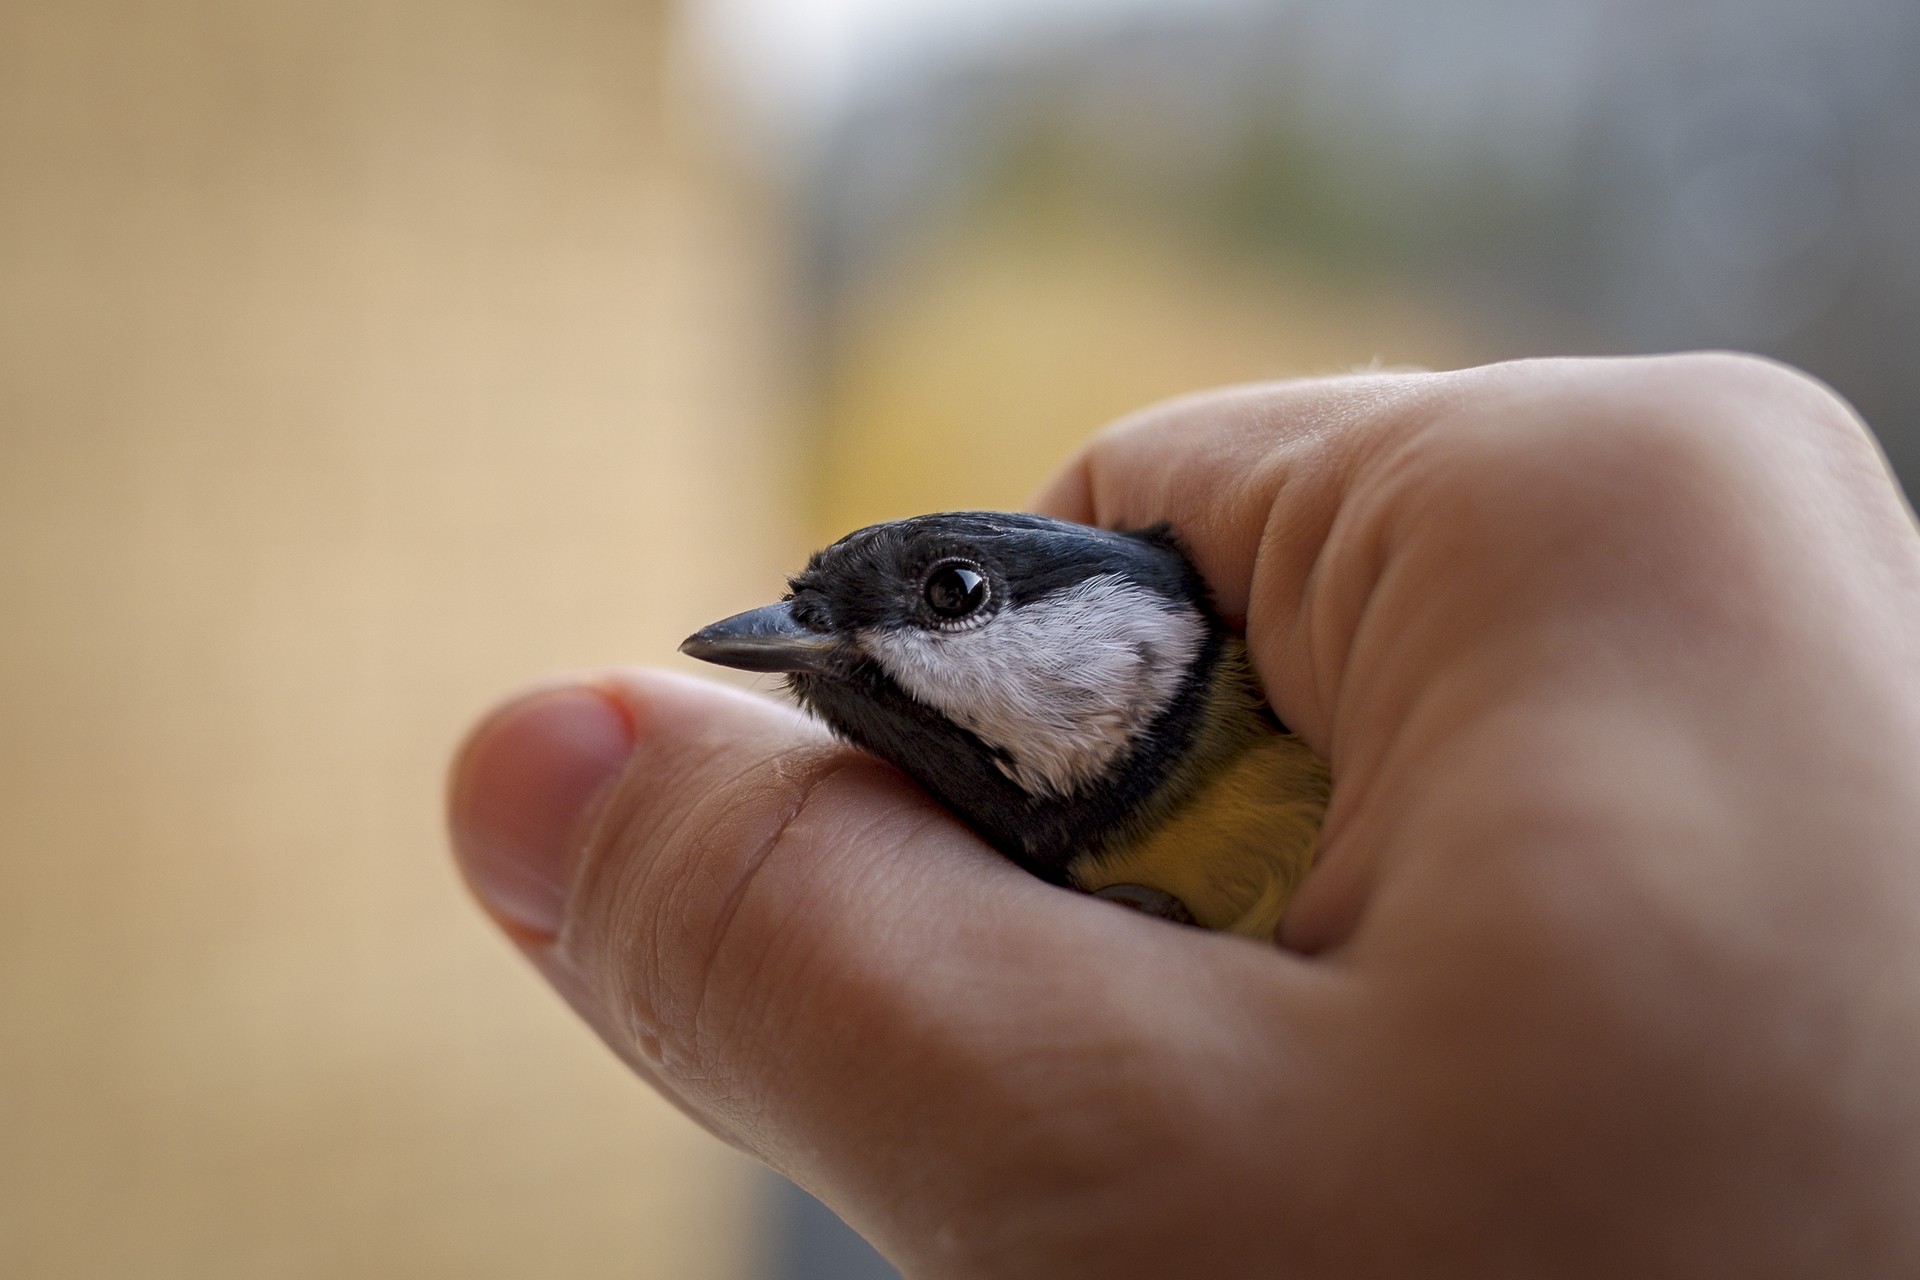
<point>954,591</point>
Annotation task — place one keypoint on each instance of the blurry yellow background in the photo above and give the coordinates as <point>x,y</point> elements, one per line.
<point>988,364</point>
<point>362,361</point>
<point>357,362</point>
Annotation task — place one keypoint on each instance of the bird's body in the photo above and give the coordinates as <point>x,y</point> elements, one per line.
<point>1235,832</point>
<point>1070,692</point>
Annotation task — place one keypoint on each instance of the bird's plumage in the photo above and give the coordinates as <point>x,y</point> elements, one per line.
<point>1069,691</point>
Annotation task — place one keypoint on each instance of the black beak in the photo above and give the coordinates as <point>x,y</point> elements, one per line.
<point>768,639</point>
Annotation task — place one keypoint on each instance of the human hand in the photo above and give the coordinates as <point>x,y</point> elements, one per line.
<point>1611,963</point>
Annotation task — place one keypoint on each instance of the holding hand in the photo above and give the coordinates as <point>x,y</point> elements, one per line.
<point>1610,963</point>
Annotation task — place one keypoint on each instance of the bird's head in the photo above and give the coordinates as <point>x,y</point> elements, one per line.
<point>1035,675</point>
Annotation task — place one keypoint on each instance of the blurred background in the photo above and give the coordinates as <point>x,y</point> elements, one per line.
<point>361,361</point>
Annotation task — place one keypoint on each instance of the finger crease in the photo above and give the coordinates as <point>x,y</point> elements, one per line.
<point>750,872</point>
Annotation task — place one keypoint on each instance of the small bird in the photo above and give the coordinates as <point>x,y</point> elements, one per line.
<point>1070,692</point>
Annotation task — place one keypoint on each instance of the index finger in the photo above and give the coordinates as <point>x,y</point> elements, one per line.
<point>1249,474</point>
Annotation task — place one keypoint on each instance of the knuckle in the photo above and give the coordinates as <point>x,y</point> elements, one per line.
<point>1743,373</point>
<point>1657,445</point>
<point>1754,401</point>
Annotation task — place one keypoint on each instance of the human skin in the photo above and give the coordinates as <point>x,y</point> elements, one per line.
<point>1611,962</point>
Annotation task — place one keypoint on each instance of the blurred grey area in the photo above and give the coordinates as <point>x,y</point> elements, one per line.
<point>810,1243</point>
<point>1602,176</point>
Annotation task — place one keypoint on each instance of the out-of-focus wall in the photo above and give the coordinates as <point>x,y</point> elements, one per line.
<point>980,367</point>
<point>357,361</point>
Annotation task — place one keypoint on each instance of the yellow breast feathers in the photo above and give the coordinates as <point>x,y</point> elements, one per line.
<point>1242,822</point>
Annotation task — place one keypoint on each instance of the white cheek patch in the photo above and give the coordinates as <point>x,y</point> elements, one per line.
<point>1062,685</point>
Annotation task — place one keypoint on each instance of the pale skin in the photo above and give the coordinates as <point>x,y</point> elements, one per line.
<point>1611,964</point>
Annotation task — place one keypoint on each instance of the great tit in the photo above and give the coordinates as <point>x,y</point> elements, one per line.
<point>1070,692</point>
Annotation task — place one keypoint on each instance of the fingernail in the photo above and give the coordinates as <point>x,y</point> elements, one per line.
<point>523,794</point>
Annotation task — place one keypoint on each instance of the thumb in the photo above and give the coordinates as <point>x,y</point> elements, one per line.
<point>818,962</point>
